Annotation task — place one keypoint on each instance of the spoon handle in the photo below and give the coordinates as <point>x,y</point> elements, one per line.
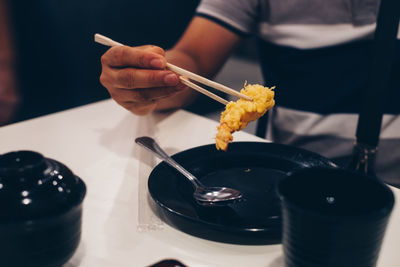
<point>150,144</point>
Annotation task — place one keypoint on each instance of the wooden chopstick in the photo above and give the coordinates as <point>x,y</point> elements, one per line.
<point>207,82</point>
<point>109,42</point>
<point>203,91</point>
<point>101,39</point>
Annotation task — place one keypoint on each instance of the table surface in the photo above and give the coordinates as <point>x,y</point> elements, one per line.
<point>119,228</point>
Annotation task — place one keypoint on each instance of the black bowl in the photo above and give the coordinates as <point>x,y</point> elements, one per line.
<point>40,210</point>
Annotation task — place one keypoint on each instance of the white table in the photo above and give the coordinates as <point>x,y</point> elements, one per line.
<point>119,229</point>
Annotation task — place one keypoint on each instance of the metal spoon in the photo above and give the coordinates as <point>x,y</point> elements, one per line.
<point>210,196</point>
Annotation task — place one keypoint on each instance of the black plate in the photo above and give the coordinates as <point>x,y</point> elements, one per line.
<point>253,168</point>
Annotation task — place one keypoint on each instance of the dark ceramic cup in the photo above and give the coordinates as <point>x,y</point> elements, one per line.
<point>333,217</point>
<point>40,210</point>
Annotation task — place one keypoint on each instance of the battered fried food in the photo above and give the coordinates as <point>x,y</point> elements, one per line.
<point>238,114</point>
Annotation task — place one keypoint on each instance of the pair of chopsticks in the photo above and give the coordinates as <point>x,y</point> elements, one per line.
<point>186,75</point>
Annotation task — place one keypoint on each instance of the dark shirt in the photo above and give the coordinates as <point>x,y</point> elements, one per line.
<point>326,80</point>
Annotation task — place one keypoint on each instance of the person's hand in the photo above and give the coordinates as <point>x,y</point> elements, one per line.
<point>8,95</point>
<point>136,77</point>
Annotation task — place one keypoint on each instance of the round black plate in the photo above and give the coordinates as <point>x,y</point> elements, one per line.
<point>253,168</point>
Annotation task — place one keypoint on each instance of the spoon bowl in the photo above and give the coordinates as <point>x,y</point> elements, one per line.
<point>207,196</point>
<point>216,196</point>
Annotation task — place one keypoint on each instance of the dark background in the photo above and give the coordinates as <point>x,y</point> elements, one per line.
<point>58,62</point>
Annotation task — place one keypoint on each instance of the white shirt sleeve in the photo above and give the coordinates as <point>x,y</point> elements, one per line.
<point>241,15</point>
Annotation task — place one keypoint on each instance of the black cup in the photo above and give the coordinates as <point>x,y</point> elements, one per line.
<point>40,210</point>
<point>333,217</point>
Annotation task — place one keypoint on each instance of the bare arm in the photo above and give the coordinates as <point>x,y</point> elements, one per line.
<point>203,49</point>
<point>8,94</point>
<point>144,87</point>
<point>6,51</point>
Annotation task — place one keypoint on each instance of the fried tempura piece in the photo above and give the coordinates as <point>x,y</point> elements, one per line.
<point>238,114</point>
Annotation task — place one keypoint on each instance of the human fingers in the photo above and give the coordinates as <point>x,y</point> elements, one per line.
<point>131,78</point>
<point>152,48</point>
<point>125,56</point>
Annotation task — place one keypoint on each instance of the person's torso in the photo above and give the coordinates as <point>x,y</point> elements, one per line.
<point>317,53</point>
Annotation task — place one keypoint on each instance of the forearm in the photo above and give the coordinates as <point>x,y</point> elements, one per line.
<point>196,53</point>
